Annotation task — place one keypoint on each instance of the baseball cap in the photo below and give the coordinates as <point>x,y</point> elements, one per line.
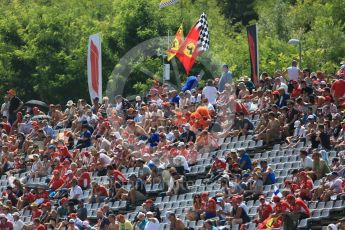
<point>311,117</point>
<point>220,199</point>
<point>333,174</point>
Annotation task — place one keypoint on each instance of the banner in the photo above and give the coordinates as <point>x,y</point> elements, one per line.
<point>94,67</point>
<point>165,3</point>
<point>196,42</point>
<point>253,43</point>
<point>176,43</point>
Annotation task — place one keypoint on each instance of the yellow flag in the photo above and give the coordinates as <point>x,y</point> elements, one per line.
<point>175,44</point>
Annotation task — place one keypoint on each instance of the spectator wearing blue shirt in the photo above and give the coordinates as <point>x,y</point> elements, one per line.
<point>191,83</point>
<point>245,161</point>
<point>209,225</point>
<point>48,129</point>
<point>225,78</point>
<point>268,175</point>
<point>174,97</point>
<point>85,138</point>
<point>154,138</point>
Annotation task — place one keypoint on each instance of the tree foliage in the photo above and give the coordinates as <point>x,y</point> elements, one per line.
<point>43,43</point>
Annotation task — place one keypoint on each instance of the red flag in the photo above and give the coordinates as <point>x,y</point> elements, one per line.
<point>196,42</point>
<point>94,67</point>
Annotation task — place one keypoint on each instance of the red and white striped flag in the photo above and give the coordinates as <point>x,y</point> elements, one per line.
<point>94,67</point>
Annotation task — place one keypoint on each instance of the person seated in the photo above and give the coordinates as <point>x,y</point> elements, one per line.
<point>175,223</point>
<point>298,210</point>
<point>99,193</point>
<point>329,186</point>
<point>217,168</point>
<point>264,210</point>
<point>136,193</point>
<point>269,133</point>
<point>306,186</point>
<point>238,213</point>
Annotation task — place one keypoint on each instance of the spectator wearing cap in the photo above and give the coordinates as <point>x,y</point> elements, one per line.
<point>209,225</point>
<point>306,186</point>
<point>299,133</point>
<point>329,186</point>
<point>341,224</point>
<point>140,221</point>
<point>241,126</point>
<point>320,167</point>
<point>329,107</point>
<point>99,193</point>
<point>338,87</point>
<point>18,224</point>
<point>268,174</point>
<point>336,166</point>
<point>36,166</point>
<point>298,210</point>
<point>153,223</point>
<point>238,214</point>
<point>296,89</point>
<point>11,195</point>
<point>263,211</point>
<point>187,134</point>
<point>149,206</point>
<point>255,187</point>
<point>123,222</point>
<point>84,140</point>
<point>144,170</point>
<point>225,78</point>
<point>223,209</point>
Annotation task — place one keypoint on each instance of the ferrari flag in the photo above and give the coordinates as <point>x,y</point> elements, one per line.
<point>196,42</point>
<point>94,66</point>
<point>252,34</point>
<point>176,43</point>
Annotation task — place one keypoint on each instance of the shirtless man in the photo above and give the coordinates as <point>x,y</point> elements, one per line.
<point>272,129</point>
<point>175,223</point>
<point>137,130</point>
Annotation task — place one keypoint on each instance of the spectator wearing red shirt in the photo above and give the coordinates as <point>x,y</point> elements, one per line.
<point>296,90</point>
<point>292,186</point>
<point>35,212</point>
<point>56,182</point>
<point>306,186</point>
<point>119,177</point>
<point>264,210</point>
<point>84,179</point>
<point>64,153</point>
<point>5,124</point>
<point>4,223</point>
<point>99,193</point>
<point>338,88</point>
<point>38,225</point>
<point>281,206</point>
<point>298,206</point>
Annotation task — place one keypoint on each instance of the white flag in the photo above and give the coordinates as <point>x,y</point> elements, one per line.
<point>94,67</point>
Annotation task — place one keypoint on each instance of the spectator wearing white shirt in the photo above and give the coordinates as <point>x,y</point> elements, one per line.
<point>210,92</point>
<point>306,161</point>
<point>278,84</point>
<point>153,223</point>
<point>223,209</point>
<point>18,224</point>
<point>298,134</point>
<point>76,192</point>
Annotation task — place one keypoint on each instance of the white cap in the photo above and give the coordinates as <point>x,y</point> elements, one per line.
<point>137,98</point>
<point>297,124</point>
<point>311,117</point>
<point>3,216</point>
<point>68,172</point>
<point>86,223</point>
<point>180,144</point>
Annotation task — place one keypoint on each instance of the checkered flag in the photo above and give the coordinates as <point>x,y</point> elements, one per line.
<point>204,37</point>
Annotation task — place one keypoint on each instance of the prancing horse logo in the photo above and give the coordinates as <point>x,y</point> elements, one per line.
<point>189,50</point>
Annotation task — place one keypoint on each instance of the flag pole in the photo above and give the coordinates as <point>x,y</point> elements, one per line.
<point>257,50</point>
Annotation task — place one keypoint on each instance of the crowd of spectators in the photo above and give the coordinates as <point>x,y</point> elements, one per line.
<point>162,135</point>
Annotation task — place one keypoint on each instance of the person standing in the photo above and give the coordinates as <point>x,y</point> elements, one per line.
<point>293,73</point>
<point>15,105</point>
<point>225,78</point>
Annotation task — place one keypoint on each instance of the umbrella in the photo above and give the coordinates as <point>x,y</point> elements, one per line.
<point>41,117</point>
<point>36,103</point>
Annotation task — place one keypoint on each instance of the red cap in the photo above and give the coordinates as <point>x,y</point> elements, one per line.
<point>328,98</point>
<point>276,199</point>
<point>286,182</point>
<point>72,215</point>
<point>303,174</point>
<point>63,200</point>
<point>275,92</point>
<point>149,201</point>
<point>290,197</point>
<point>294,81</point>
<point>55,172</point>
